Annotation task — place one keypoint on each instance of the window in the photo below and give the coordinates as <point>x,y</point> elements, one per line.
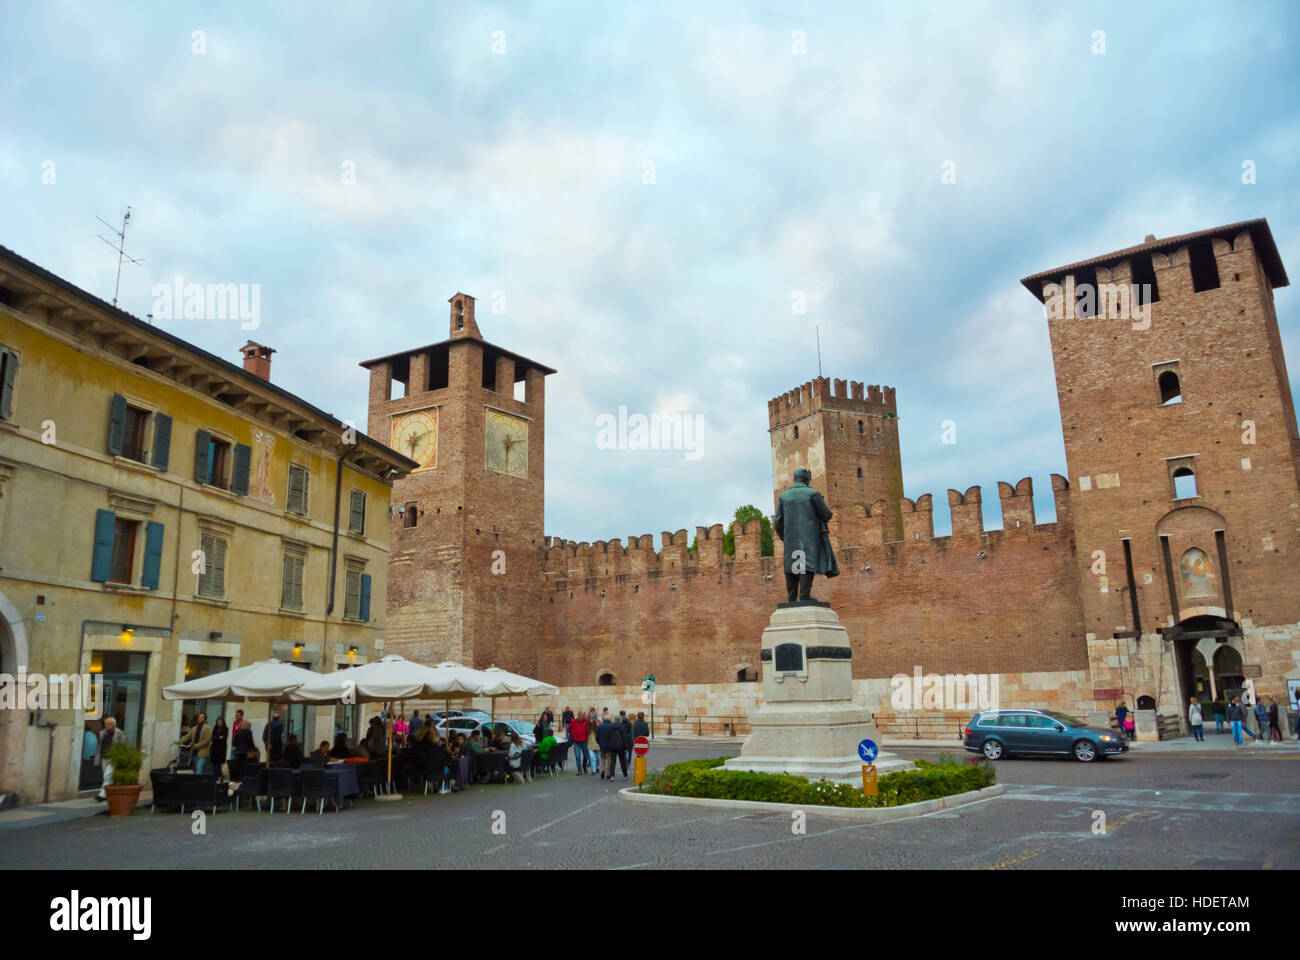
<point>1039,722</point>
<point>8,378</point>
<point>133,436</point>
<point>291,579</point>
<point>411,515</point>
<point>212,460</point>
<point>123,550</point>
<point>859,428</point>
<point>356,599</point>
<point>1205,269</point>
<point>796,433</point>
<point>859,473</point>
<point>1171,391</point>
<point>606,680</point>
<point>297,489</point>
<point>357,513</point>
<point>212,571</point>
<point>1182,471</point>
<point>746,675</point>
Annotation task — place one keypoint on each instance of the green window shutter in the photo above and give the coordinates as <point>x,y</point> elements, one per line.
<point>162,440</point>
<point>7,388</point>
<point>239,479</point>
<point>202,468</point>
<point>357,517</point>
<point>117,425</point>
<point>153,541</point>
<point>297,489</point>
<point>205,569</point>
<point>364,613</point>
<point>300,564</point>
<point>286,583</point>
<point>101,563</point>
<point>352,596</point>
<point>217,567</point>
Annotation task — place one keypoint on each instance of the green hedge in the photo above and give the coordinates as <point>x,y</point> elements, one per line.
<point>705,778</point>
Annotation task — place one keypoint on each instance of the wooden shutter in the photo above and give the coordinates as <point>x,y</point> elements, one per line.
<point>162,440</point>
<point>217,567</point>
<point>357,518</point>
<point>297,489</point>
<point>116,425</point>
<point>239,478</point>
<point>352,597</point>
<point>153,541</point>
<point>101,563</point>
<point>202,468</point>
<point>299,565</point>
<point>205,570</point>
<point>364,613</point>
<point>291,586</point>
<point>10,360</point>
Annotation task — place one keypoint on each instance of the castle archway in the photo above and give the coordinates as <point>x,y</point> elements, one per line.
<point>13,656</point>
<point>1205,645</point>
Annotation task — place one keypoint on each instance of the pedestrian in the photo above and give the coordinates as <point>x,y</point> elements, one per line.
<point>566,717</point>
<point>107,737</point>
<point>273,737</point>
<point>640,728</point>
<point>220,744</point>
<point>1194,718</point>
<point>1218,716</point>
<point>1275,731</point>
<point>626,723</point>
<point>514,757</point>
<point>199,740</point>
<point>603,730</point>
<point>577,730</point>
<point>593,745</point>
<point>416,723</point>
<point>241,745</point>
<point>400,729</point>
<point>548,718</point>
<point>1121,711</point>
<point>616,748</point>
<point>237,725</point>
<point>1261,720</point>
<point>1130,727</point>
<point>1236,717</point>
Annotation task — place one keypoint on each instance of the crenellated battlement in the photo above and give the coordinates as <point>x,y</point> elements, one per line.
<point>858,527</point>
<point>823,393</point>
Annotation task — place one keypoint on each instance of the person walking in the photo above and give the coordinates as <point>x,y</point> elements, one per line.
<point>273,737</point>
<point>577,730</point>
<point>566,717</point>
<point>1130,726</point>
<point>593,745</point>
<point>640,728</point>
<point>1274,730</point>
<point>1195,719</point>
<point>199,740</point>
<point>220,744</point>
<point>1121,712</point>
<point>1261,720</point>
<point>616,748</point>
<point>603,730</point>
<point>626,723</point>
<point>1218,716</point>
<point>1236,718</point>
<point>416,723</point>
<point>548,718</point>
<point>107,737</point>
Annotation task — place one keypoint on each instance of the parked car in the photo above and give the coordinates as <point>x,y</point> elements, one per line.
<point>440,715</point>
<point>468,725</point>
<point>1005,733</point>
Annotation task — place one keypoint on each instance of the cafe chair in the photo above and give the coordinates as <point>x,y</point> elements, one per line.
<point>279,785</point>
<point>315,786</point>
<point>251,784</point>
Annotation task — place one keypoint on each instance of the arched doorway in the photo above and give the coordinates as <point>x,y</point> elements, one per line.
<point>1228,674</point>
<point>13,654</point>
<point>1194,674</point>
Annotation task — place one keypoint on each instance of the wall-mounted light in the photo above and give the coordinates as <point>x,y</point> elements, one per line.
<point>214,635</point>
<point>352,651</point>
<point>127,628</point>
<point>297,649</point>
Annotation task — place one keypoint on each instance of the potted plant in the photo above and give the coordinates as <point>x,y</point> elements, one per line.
<point>124,792</point>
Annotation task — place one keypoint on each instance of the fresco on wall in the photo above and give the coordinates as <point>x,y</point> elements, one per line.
<point>260,485</point>
<point>1198,575</point>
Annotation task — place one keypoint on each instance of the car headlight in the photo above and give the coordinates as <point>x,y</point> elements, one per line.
<point>1106,736</point>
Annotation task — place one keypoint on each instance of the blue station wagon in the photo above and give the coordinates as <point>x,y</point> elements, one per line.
<point>1005,733</point>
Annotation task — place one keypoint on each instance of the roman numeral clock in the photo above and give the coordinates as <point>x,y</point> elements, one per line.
<point>505,444</point>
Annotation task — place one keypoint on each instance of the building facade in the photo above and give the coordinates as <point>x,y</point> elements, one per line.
<point>165,514</point>
<point>1168,572</point>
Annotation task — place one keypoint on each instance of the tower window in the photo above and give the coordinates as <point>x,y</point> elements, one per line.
<point>860,428</point>
<point>412,515</point>
<point>460,315</point>
<point>796,433</point>
<point>1145,290</point>
<point>859,473</point>
<point>1168,383</point>
<point>606,680</point>
<point>1182,471</point>
<point>1205,270</point>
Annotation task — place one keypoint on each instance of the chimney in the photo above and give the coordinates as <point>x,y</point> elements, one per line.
<point>257,359</point>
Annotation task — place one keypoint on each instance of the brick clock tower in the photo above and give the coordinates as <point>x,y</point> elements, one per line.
<point>849,441</point>
<point>464,576</point>
<point>1183,453</point>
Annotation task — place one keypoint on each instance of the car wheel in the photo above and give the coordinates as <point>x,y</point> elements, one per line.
<point>993,749</point>
<point>1085,751</point>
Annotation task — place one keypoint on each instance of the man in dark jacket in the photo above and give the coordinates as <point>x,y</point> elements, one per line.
<point>275,746</point>
<point>1237,717</point>
<point>626,723</point>
<point>640,728</point>
<point>800,522</point>
<point>616,747</point>
<point>566,718</point>
<point>292,752</point>
<point>603,733</point>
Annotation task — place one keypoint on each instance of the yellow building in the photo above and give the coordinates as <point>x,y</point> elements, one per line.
<point>165,514</point>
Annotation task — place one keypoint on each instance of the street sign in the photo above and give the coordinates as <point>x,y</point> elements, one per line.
<point>1253,670</point>
<point>640,746</point>
<point>869,786</point>
<point>867,750</point>
<point>638,771</point>
<point>648,684</point>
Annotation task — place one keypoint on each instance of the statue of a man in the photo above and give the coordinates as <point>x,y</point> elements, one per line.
<point>801,516</point>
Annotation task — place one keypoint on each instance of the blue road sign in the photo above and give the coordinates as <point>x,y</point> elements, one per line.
<point>867,750</point>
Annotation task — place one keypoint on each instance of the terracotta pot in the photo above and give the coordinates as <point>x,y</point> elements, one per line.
<point>122,800</point>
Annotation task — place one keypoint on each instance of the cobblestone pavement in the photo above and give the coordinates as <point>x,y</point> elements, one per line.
<point>1161,812</point>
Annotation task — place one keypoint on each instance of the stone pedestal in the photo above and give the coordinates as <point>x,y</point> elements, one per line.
<point>808,723</point>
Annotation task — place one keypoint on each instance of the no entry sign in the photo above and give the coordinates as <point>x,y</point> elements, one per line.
<point>640,746</point>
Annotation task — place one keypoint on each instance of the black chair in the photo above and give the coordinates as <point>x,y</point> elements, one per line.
<point>525,764</point>
<point>279,785</point>
<point>163,782</point>
<point>315,786</point>
<point>252,783</point>
<point>201,790</point>
<point>559,753</point>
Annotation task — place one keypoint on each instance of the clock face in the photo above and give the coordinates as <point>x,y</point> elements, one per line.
<point>505,444</point>
<point>415,435</point>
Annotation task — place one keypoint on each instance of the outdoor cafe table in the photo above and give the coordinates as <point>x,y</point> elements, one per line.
<point>340,778</point>
<point>489,761</point>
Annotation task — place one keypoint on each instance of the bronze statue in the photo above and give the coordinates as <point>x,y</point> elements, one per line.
<point>801,516</point>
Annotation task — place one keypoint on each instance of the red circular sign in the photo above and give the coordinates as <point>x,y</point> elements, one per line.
<point>640,746</point>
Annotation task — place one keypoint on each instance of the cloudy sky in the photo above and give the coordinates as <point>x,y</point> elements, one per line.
<point>645,189</point>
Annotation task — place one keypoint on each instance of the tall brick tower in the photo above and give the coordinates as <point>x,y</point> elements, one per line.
<point>848,441</point>
<point>464,580</point>
<point>1184,458</point>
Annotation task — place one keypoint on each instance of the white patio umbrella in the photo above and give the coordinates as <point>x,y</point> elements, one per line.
<point>503,683</point>
<point>266,681</point>
<point>387,679</point>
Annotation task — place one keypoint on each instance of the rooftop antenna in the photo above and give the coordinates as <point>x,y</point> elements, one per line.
<point>818,329</point>
<point>120,247</point>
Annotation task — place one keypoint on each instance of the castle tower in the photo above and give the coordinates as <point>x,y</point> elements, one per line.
<point>848,441</point>
<point>464,576</point>
<point>1183,454</point>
